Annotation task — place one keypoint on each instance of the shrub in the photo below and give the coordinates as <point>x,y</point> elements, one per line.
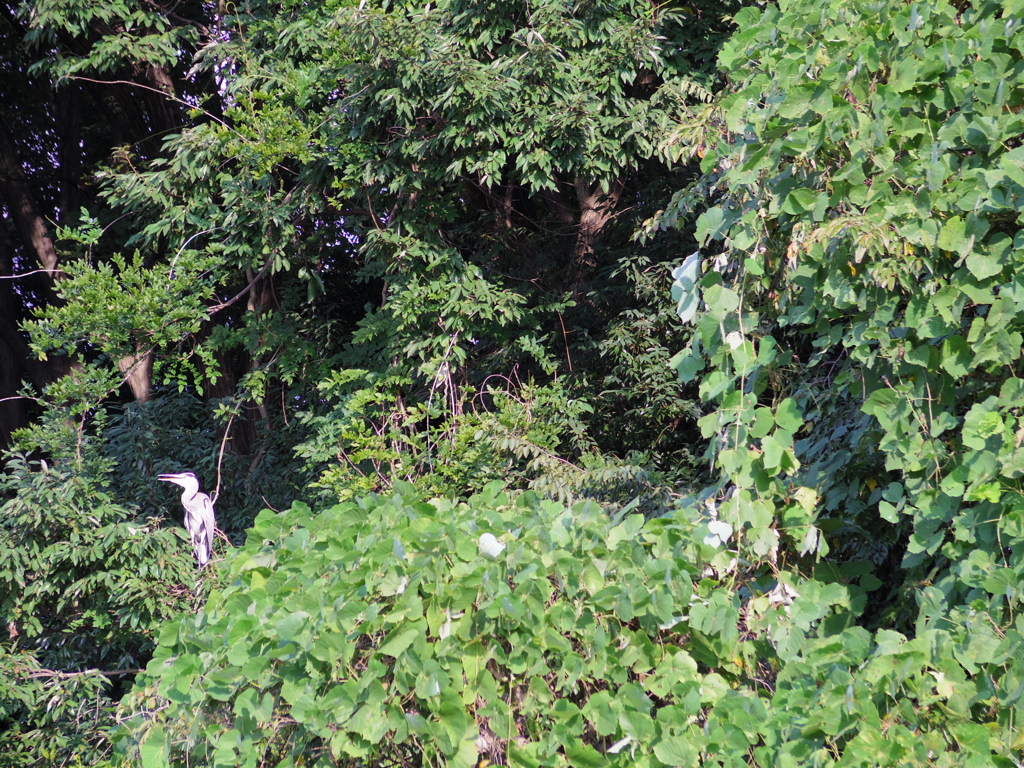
<point>391,631</point>
<point>393,627</point>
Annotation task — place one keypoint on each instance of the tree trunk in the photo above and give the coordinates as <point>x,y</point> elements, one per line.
<point>15,191</point>
<point>138,372</point>
<point>31,226</point>
<point>597,207</point>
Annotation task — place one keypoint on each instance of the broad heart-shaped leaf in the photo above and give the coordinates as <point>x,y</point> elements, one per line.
<point>684,287</point>
<point>153,750</point>
<point>953,236</point>
<point>957,356</point>
<point>764,422</point>
<point>689,271</point>
<point>888,512</point>
<point>1013,161</point>
<point>983,265</point>
<point>800,201</point>
<point>981,423</point>
<point>600,711</point>
<point>774,452</point>
<point>687,363</point>
<point>290,626</point>
<point>675,751</point>
<point>709,225</point>
<point>788,415</point>
<point>467,755</point>
<point>719,533</point>
<point>688,305</point>
<point>584,756</point>
<point>721,301</point>
<point>401,639</point>
<point>879,402</point>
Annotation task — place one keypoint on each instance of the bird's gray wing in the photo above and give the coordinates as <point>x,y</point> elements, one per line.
<point>201,522</point>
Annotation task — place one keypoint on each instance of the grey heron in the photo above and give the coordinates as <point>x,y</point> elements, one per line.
<point>199,517</point>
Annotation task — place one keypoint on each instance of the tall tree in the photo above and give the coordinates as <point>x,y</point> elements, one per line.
<point>503,150</point>
<point>323,170</point>
<point>81,87</point>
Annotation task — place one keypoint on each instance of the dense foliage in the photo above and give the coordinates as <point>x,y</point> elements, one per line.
<point>83,584</point>
<point>861,339</point>
<point>321,252</point>
<point>403,630</point>
<point>432,207</point>
<point>310,249</point>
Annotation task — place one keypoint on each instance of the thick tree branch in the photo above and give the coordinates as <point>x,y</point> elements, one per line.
<point>218,307</point>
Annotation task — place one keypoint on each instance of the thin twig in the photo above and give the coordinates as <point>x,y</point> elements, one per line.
<point>55,673</point>
<point>220,456</point>
<point>56,271</point>
<point>165,94</point>
<point>284,409</point>
<point>185,245</point>
<point>565,340</point>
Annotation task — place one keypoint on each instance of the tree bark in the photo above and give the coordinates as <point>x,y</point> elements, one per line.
<point>30,225</point>
<point>560,207</point>
<point>138,372</point>
<point>597,207</point>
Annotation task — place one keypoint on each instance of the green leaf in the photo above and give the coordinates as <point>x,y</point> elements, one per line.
<point>601,714</point>
<point>957,357</point>
<point>675,751</point>
<point>888,512</point>
<point>400,640</point>
<point>980,424</point>
<point>292,625</point>
<point>983,265</point>
<point>764,422</point>
<point>953,237</point>
<point>721,301</point>
<point>774,452</point>
<point>467,755</point>
<point>153,750</point>
<point>584,755</point>
<point>709,226</point>
<point>687,363</point>
<point>879,402</point>
<point>788,415</point>
<point>523,757</point>
<point>684,287</point>
<point>800,201</point>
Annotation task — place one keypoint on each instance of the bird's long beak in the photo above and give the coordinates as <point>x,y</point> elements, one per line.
<point>169,477</point>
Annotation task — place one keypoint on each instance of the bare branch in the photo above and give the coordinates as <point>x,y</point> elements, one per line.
<point>217,308</point>
<point>33,272</point>
<point>52,673</point>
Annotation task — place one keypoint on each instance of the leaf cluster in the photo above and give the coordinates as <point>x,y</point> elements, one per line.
<point>401,629</point>
<point>83,582</point>
<point>857,336</point>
